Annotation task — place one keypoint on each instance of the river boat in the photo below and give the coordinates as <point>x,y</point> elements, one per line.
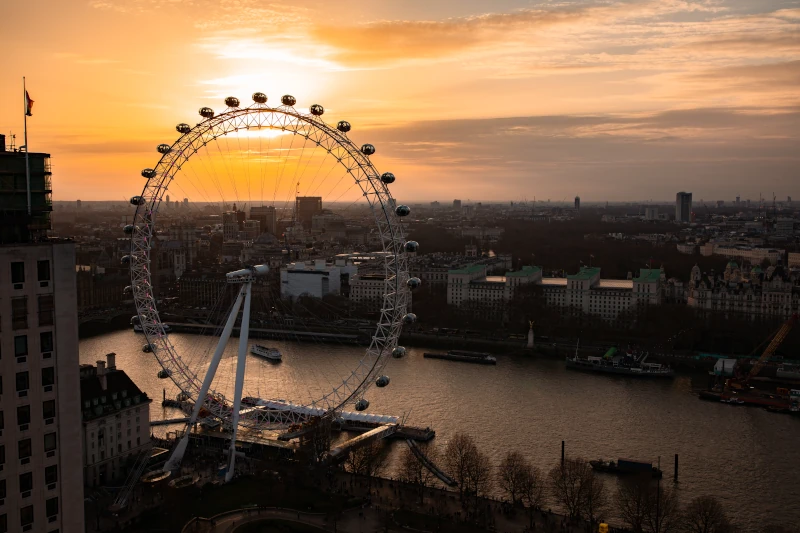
<point>624,467</point>
<point>271,354</point>
<point>788,371</point>
<point>629,363</point>
<point>752,398</point>
<point>464,356</point>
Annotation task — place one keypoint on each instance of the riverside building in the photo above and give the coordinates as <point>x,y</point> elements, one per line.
<point>41,483</point>
<point>116,422</point>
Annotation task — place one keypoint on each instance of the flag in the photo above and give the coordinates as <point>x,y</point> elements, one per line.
<point>28,104</point>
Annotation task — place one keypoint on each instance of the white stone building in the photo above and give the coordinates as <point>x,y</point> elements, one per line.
<point>314,278</point>
<point>756,294</point>
<point>41,483</point>
<point>368,289</point>
<point>470,286</point>
<point>586,292</point>
<point>116,422</point>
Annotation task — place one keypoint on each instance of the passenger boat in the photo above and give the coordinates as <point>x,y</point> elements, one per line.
<point>164,373</point>
<point>628,364</point>
<point>464,356</point>
<point>788,371</point>
<point>267,353</point>
<point>626,467</point>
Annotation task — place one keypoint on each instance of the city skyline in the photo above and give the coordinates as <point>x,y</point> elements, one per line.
<point>614,101</point>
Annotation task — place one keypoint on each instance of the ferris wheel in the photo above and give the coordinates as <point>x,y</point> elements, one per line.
<point>204,162</point>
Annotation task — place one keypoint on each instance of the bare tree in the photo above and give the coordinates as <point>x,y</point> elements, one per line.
<point>458,456</point>
<point>567,484</point>
<point>663,511</point>
<point>511,475</point>
<point>532,490</point>
<point>368,460</point>
<point>633,502</point>
<point>594,499</point>
<point>479,477</point>
<point>705,514</point>
<point>413,472</point>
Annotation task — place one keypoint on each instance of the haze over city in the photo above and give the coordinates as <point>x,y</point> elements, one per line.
<point>504,100</point>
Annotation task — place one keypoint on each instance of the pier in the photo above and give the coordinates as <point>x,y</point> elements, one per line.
<point>340,452</point>
<point>427,463</point>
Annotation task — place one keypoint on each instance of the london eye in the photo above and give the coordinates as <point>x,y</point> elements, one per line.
<point>264,154</point>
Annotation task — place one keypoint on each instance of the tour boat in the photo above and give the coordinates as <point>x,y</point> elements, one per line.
<point>267,353</point>
<point>629,364</point>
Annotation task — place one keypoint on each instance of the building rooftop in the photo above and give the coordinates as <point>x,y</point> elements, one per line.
<point>120,392</point>
<point>648,275</point>
<point>524,272</point>
<point>585,273</point>
<point>615,284</point>
<point>471,269</point>
<point>554,282</point>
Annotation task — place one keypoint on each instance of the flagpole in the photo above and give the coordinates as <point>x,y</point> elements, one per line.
<point>27,164</point>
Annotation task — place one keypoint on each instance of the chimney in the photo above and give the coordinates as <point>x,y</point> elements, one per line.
<point>112,361</point>
<point>101,374</point>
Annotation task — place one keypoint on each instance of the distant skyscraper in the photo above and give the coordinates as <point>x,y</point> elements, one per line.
<point>456,204</point>
<point>305,207</point>
<point>683,207</point>
<point>267,217</point>
<point>78,204</point>
<point>577,202</point>
<point>186,203</point>
<point>168,200</point>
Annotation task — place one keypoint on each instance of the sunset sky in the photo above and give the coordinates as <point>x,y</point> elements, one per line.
<point>500,100</point>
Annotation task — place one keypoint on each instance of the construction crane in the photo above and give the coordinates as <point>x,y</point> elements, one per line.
<point>777,340</point>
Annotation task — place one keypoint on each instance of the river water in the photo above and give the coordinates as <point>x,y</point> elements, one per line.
<point>747,457</point>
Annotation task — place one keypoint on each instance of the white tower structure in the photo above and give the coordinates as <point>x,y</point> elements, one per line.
<point>245,278</point>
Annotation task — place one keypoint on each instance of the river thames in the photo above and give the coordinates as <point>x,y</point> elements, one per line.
<point>749,458</point>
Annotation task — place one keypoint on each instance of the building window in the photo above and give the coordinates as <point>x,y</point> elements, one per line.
<point>26,482</point>
<point>46,309</point>
<point>2,490</point>
<point>24,447</point>
<point>23,415</point>
<point>50,474</point>
<point>2,454</point>
<point>43,270</point>
<point>51,506</point>
<point>50,442</point>
<point>20,345</point>
<point>23,381</point>
<point>17,272</point>
<point>3,523</point>
<point>19,313</point>
<point>48,409</point>
<point>46,341</point>
<point>26,515</point>
<point>48,376</point>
